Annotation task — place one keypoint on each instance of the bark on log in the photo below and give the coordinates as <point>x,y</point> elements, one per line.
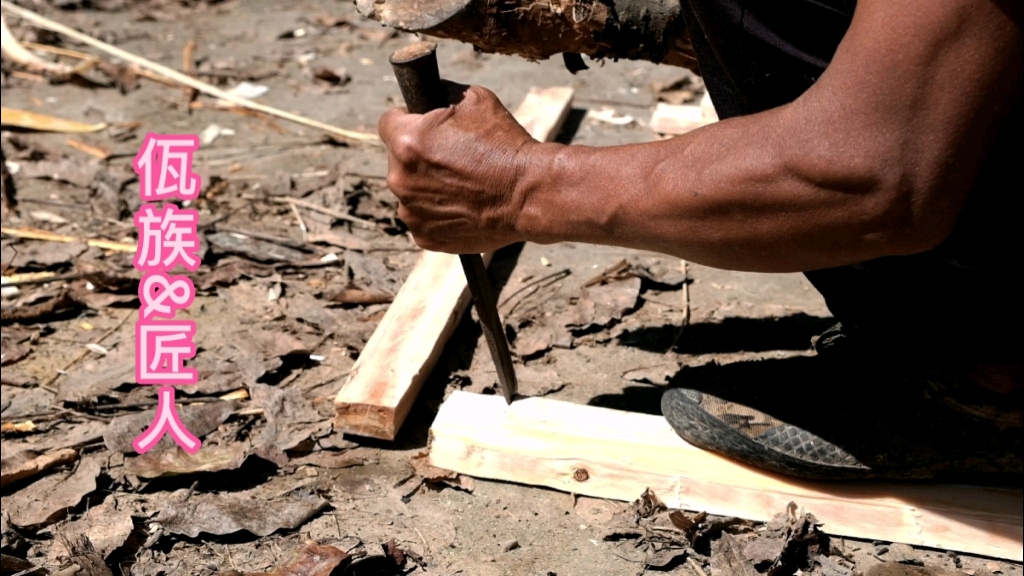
<point>651,30</point>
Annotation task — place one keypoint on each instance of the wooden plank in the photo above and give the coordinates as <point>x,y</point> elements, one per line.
<point>405,346</point>
<point>617,455</point>
<point>676,119</point>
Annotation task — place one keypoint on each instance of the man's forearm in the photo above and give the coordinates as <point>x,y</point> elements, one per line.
<point>727,196</point>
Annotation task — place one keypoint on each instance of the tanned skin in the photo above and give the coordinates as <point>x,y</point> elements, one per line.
<point>875,159</point>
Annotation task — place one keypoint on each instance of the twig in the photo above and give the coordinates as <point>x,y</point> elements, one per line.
<point>45,122</point>
<point>327,211</point>
<point>188,66</point>
<point>180,77</point>
<point>686,309</point>
<point>18,53</point>
<point>94,151</point>
<point>302,223</point>
<point>608,273</point>
<point>696,567</point>
<point>35,234</point>
<point>559,275</point>
<point>42,279</point>
<point>27,571</point>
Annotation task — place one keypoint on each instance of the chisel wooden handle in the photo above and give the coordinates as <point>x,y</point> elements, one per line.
<point>419,80</point>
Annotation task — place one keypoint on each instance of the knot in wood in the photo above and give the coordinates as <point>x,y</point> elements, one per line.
<point>580,475</point>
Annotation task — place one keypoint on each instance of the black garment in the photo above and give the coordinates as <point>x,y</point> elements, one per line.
<point>957,301</point>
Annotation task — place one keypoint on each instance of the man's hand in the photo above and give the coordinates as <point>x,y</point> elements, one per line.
<point>454,171</point>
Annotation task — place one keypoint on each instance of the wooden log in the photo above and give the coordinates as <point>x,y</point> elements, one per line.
<point>617,455</point>
<point>651,30</point>
<point>403,349</point>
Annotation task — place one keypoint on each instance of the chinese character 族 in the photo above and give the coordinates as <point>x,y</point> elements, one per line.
<point>167,237</point>
<point>164,166</point>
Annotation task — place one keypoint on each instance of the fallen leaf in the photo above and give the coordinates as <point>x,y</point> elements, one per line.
<point>291,420</point>
<point>46,254</point>
<point>73,172</point>
<point>228,273</point>
<point>329,460</point>
<point>258,250</point>
<point>200,419</point>
<point>11,353</point>
<point>98,376</point>
<point>659,374</point>
<point>434,475</point>
<point>311,560</point>
<point>727,560</point>
<point>106,526</point>
<point>83,554</point>
<point>174,461</point>
<point>48,500</point>
<point>601,305</point>
<point>789,542</point>
<point>27,464</point>
<point>536,382</point>
<point>339,239</point>
<point>227,513</point>
<point>358,296</point>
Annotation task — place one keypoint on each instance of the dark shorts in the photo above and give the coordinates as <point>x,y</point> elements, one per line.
<point>958,302</point>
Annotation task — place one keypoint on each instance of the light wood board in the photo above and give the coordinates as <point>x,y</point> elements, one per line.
<point>612,454</point>
<point>676,119</point>
<point>402,351</point>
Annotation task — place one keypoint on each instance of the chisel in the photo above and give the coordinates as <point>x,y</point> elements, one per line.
<point>419,79</point>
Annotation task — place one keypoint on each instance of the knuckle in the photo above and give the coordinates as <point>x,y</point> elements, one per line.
<point>396,181</point>
<point>406,148</point>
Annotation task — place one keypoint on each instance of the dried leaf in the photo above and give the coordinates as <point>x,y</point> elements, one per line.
<point>200,419</point>
<point>46,254</point>
<point>351,295</point>
<point>659,374</point>
<point>27,464</point>
<point>49,499</point>
<point>601,305</point>
<point>291,420</point>
<point>11,353</point>
<point>221,514</point>
<point>228,273</point>
<point>71,171</point>
<point>258,250</point>
<point>434,475</point>
<point>175,461</point>
<point>83,554</point>
<point>329,460</point>
<point>311,560</point>
<point>727,560</point>
<point>106,527</point>
<point>339,239</point>
<point>98,376</point>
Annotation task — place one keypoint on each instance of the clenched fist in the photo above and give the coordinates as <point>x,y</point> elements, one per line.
<point>454,171</point>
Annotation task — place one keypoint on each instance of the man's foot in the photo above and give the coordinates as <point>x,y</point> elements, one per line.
<point>842,416</point>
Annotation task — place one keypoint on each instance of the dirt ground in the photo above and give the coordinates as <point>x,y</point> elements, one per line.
<point>277,333</point>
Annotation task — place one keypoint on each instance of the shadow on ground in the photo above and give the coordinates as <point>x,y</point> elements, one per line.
<point>792,332</point>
